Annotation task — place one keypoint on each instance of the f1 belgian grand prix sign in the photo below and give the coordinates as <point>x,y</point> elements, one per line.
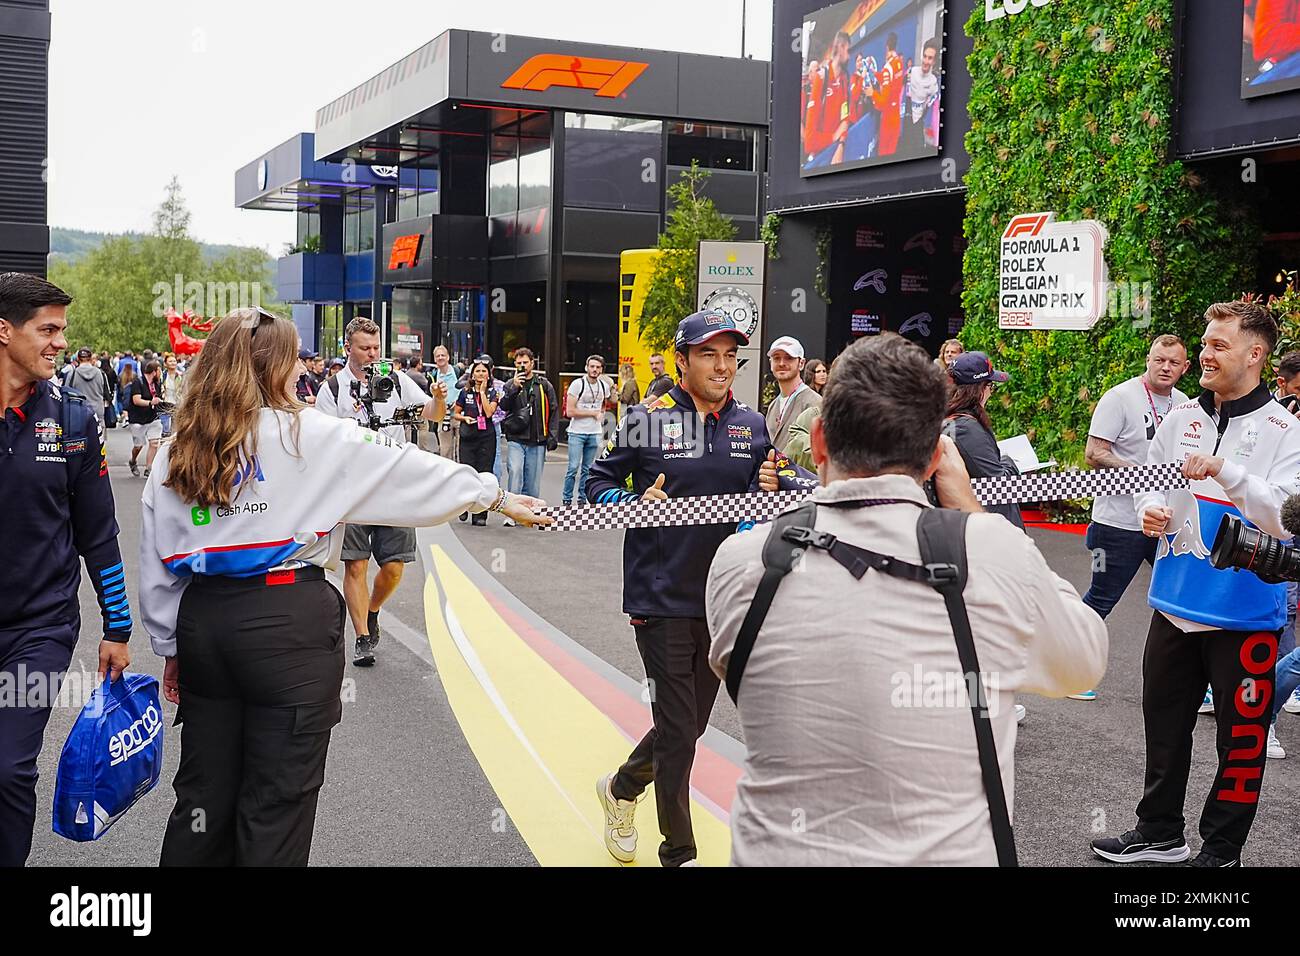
<point>1051,275</point>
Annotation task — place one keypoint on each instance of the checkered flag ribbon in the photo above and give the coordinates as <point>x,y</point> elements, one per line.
<point>761,506</point>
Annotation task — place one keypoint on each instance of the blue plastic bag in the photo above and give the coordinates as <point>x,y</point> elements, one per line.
<point>113,757</point>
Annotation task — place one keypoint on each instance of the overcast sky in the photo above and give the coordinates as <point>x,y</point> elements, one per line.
<point>144,89</point>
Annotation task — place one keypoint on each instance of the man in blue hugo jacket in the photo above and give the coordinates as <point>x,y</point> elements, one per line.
<point>695,440</point>
<point>1241,450</point>
<point>58,506</point>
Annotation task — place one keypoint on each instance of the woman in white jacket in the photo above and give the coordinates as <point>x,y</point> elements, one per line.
<point>242,513</point>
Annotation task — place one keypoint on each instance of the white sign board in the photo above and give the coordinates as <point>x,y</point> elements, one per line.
<point>1051,275</point>
<point>731,279</point>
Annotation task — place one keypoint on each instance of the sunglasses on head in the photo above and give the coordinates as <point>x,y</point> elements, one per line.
<point>262,316</point>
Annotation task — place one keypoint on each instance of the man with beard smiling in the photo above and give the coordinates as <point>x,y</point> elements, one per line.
<point>58,507</point>
<point>1241,450</point>
<point>695,440</point>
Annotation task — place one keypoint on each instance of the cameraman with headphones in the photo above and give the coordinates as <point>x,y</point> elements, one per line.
<point>392,548</point>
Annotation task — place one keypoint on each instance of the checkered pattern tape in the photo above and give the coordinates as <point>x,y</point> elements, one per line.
<point>760,506</point>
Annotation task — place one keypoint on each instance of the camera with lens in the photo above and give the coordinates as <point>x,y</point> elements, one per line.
<point>377,387</point>
<point>1249,549</point>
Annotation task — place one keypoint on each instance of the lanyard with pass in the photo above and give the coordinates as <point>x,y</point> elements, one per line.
<point>1156,416</point>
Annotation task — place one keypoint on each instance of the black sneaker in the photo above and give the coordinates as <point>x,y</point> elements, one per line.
<point>146,472</point>
<point>135,469</point>
<point>1133,847</point>
<point>372,624</point>
<point>1209,859</point>
<point>364,655</point>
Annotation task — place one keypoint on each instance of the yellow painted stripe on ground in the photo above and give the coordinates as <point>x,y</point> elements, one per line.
<point>540,742</point>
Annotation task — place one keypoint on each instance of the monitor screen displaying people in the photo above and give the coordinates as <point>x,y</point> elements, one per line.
<point>871,84</point>
<point>1270,47</point>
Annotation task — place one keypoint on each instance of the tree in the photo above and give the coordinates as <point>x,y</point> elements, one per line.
<point>670,294</point>
<point>123,288</point>
<point>171,220</point>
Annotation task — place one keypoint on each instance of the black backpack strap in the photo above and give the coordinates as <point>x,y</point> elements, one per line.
<point>779,556</point>
<point>942,535</point>
<point>334,388</point>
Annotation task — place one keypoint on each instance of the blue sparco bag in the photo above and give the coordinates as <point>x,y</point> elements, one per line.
<point>113,757</point>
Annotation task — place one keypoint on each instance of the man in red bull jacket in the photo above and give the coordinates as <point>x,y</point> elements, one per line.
<point>696,440</point>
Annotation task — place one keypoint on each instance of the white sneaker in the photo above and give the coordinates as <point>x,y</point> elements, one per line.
<point>1020,713</point>
<point>508,522</point>
<point>1207,705</point>
<point>1275,751</point>
<point>620,830</point>
<point>1292,705</point>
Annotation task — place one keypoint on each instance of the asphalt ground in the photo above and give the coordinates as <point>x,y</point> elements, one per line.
<point>403,788</point>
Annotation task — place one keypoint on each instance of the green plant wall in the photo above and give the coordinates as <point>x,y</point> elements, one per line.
<point>1070,112</point>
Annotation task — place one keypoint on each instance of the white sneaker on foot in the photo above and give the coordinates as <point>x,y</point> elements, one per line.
<point>1275,751</point>
<point>1292,705</point>
<point>620,828</point>
<point>1020,713</point>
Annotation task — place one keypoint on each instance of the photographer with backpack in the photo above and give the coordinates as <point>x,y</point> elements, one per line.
<point>842,722</point>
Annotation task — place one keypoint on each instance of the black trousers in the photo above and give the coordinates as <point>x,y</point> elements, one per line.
<point>261,669</point>
<point>478,449</point>
<point>1176,667</point>
<point>682,688</point>
<point>41,655</point>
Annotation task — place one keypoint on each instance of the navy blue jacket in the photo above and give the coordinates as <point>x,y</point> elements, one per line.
<point>58,505</point>
<point>665,569</point>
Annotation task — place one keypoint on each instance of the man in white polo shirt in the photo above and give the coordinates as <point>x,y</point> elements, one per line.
<point>1123,425</point>
<point>785,358</point>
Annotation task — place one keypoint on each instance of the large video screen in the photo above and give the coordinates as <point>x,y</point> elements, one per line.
<point>1270,47</point>
<point>872,84</point>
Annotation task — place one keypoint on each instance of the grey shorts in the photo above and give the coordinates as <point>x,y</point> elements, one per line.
<point>361,541</point>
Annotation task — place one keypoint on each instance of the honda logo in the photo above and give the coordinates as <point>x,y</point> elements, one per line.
<point>609,78</point>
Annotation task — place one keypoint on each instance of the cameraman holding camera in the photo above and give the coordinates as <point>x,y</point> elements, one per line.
<point>842,731</point>
<point>1241,451</point>
<point>392,548</point>
<point>532,418</point>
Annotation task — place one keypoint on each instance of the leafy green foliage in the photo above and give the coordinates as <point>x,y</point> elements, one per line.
<point>1070,112</point>
<point>770,233</point>
<point>122,287</point>
<point>670,294</point>
<point>1286,309</point>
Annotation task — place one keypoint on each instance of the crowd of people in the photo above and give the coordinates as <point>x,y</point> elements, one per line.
<point>885,440</point>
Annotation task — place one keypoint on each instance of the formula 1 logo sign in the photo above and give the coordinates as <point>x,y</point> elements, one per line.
<point>1052,275</point>
<point>608,78</point>
<point>405,252</point>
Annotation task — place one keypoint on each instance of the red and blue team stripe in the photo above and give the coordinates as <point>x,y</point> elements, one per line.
<point>236,560</point>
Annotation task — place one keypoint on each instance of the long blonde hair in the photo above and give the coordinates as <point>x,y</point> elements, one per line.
<point>244,367</point>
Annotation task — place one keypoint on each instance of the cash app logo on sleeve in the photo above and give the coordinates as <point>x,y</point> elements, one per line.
<point>200,516</point>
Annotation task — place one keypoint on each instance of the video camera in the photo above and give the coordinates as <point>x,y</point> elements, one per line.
<point>1271,560</point>
<point>378,386</point>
